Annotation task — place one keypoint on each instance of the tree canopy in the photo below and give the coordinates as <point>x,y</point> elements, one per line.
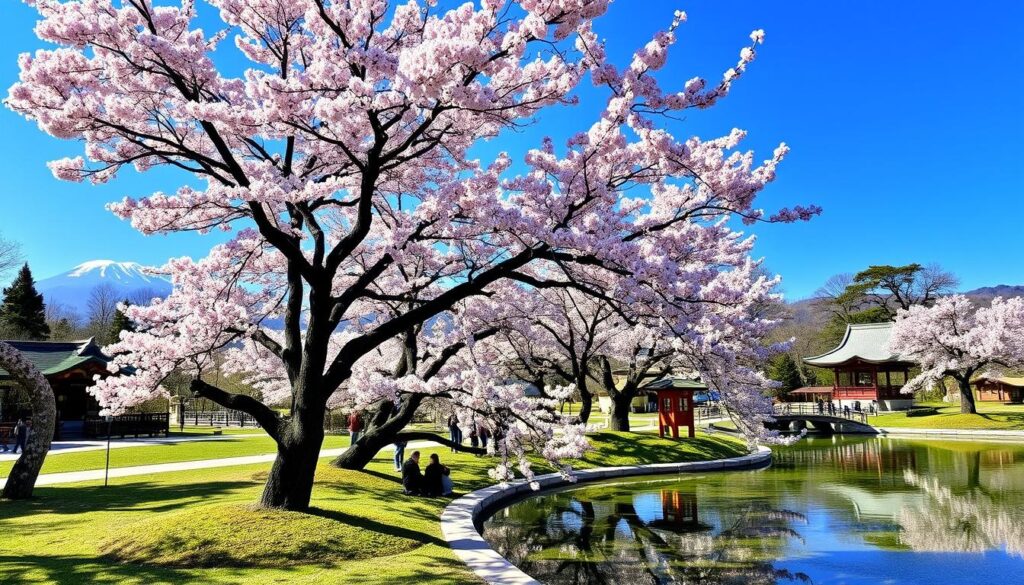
<point>365,227</point>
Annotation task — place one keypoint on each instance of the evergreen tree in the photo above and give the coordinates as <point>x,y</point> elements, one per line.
<point>23,313</point>
<point>783,369</point>
<point>119,323</point>
<point>62,330</point>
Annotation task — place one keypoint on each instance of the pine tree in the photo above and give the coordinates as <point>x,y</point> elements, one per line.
<point>120,323</point>
<point>783,369</point>
<point>23,313</point>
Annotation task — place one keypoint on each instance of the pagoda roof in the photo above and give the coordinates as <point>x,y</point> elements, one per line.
<point>867,342</point>
<point>677,383</point>
<point>55,357</point>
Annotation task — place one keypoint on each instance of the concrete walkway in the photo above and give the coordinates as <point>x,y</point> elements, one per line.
<point>97,474</point>
<point>968,434</point>
<point>61,447</point>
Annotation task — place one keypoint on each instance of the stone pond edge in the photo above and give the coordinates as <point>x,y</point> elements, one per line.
<point>458,521</point>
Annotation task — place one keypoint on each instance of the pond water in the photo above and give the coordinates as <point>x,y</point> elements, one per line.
<point>828,511</point>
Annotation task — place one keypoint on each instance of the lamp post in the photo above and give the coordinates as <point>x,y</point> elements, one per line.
<point>181,413</point>
<point>106,471</point>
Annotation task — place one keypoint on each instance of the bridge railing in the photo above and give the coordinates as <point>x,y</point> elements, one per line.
<point>790,408</point>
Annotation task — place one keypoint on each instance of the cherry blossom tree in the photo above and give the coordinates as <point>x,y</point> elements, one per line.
<point>587,333</point>
<point>953,338</point>
<point>341,155</point>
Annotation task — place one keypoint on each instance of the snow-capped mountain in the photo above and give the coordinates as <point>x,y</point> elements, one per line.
<point>127,280</point>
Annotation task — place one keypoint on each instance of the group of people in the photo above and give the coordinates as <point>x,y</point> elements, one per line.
<point>479,434</point>
<point>435,480</point>
<point>831,409</point>
<point>21,432</point>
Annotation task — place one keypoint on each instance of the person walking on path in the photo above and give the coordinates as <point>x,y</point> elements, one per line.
<point>355,426</point>
<point>21,434</point>
<point>3,439</point>
<point>454,432</point>
<point>399,454</point>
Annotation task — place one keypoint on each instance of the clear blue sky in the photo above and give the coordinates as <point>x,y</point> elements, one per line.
<point>905,122</point>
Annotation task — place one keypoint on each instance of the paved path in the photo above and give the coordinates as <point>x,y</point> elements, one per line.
<point>97,474</point>
<point>61,447</point>
<point>953,433</point>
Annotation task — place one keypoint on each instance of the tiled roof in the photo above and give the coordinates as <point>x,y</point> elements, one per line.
<point>54,357</point>
<point>868,342</point>
<point>1016,381</point>
<point>676,382</point>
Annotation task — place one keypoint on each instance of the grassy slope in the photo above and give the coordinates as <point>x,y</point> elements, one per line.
<point>991,416</point>
<point>164,453</point>
<point>57,538</point>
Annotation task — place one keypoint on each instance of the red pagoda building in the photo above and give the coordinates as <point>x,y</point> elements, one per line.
<point>865,370</point>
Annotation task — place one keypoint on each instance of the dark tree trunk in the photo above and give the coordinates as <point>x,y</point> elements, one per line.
<point>382,431</point>
<point>371,442</point>
<point>290,483</point>
<point>966,396</point>
<point>618,418</point>
<point>21,481</point>
<point>586,405</point>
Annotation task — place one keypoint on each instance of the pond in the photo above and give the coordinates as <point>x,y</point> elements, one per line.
<point>828,511</point>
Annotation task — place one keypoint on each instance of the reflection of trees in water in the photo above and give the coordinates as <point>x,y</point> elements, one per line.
<point>971,522</point>
<point>611,543</point>
<point>868,459</point>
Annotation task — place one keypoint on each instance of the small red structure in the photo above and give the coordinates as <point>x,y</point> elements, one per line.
<point>675,404</point>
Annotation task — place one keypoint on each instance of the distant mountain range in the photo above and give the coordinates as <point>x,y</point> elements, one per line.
<point>126,280</point>
<point>1000,290</point>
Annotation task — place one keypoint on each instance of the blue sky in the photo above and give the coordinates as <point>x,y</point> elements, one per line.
<point>904,119</point>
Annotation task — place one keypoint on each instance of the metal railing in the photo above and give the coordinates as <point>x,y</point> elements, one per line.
<point>794,409</point>
<point>126,425</point>
<point>219,418</point>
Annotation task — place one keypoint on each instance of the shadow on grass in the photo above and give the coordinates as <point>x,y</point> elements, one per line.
<point>378,527</point>
<point>74,570</point>
<point>136,496</point>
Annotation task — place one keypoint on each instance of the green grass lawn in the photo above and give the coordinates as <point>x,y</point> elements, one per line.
<point>193,527</point>
<point>991,416</point>
<point>164,453</point>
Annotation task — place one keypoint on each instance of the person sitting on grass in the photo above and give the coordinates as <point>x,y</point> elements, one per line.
<point>434,477</point>
<point>412,479</point>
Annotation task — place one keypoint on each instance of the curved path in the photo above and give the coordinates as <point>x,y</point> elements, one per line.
<point>97,474</point>
<point>458,521</point>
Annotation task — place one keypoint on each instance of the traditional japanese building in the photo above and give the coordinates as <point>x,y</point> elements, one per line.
<point>999,388</point>
<point>675,404</point>
<point>865,370</point>
<point>70,367</point>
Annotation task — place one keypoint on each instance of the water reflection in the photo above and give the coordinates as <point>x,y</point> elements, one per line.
<point>888,508</point>
<point>654,536</point>
<point>971,522</point>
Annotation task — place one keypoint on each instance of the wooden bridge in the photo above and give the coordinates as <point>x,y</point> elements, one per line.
<point>797,417</point>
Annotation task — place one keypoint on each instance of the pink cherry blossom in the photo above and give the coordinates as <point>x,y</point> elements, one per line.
<point>341,154</point>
